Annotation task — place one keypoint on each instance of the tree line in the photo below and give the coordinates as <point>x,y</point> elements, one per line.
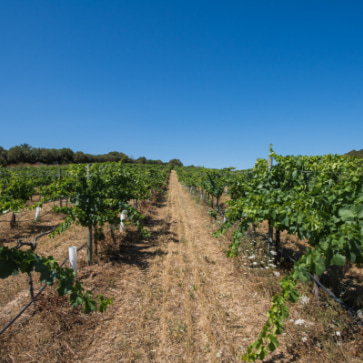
<point>358,153</point>
<point>26,154</point>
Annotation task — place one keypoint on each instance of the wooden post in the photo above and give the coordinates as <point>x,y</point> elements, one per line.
<point>89,233</point>
<point>201,189</point>
<point>277,238</point>
<point>12,220</point>
<point>270,238</point>
<point>95,239</point>
<point>253,226</point>
<point>269,163</point>
<point>89,244</point>
<point>112,233</point>
<point>316,289</point>
<point>31,287</point>
<point>277,245</point>
<point>270,228</point>
<point>60,178</point>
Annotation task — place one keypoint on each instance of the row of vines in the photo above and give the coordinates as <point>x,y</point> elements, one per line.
<point>92,196</point>
<point>317,198</point>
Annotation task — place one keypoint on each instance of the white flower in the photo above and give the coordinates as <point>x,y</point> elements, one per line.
<point>277,273</point>
<point>254,263</point>
<point>272,265</point>
<point>273,253</point>
<point>304,339</point>
<point>300,322</point>
<point>360,314</point>
<point>266,267</point>
<point>304,299</point>
<point>337,333</point>
<point>252,257</point>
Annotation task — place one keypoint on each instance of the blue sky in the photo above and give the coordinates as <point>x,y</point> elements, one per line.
<point>211,83</point>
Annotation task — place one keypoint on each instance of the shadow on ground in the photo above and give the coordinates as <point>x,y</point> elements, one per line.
<point>133,248</point>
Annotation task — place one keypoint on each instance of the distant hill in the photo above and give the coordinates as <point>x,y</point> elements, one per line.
<point>356,153</point>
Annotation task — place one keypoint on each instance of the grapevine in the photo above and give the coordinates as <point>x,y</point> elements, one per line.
<point>319,198</point>
<point>14,261</point>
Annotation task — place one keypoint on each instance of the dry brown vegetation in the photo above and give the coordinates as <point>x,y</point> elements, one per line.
<point>177,298</point>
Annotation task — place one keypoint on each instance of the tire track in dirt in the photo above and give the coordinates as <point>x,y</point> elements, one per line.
<point>224,318</point>
<point>166,286</point>
<point>186,328</point>
<point>176,324</point>
<point>208,322</point>
<point>202,339</point>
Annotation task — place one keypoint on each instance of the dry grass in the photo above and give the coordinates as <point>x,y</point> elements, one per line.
<point>329,333</point>
<point>177,298</point>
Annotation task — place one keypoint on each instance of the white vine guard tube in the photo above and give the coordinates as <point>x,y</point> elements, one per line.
<point>122,218</point>
<point>37,212</point>
<point>73,258</point>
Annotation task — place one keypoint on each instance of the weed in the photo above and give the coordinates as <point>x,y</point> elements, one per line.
<point>43,341</point>
<point>111,282</point>
<point>181,329</point>
<point>209,261</point>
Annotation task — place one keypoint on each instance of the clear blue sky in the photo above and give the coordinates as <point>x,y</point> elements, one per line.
<point>211,83</point>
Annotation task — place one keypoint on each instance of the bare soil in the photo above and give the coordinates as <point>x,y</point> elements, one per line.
<point>177,297</point>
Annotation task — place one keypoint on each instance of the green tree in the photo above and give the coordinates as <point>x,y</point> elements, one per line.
<point>175,162</point>
<point>66,156</point>
<point>3,157</point>
<point>79,157</point>
<point>16,155</point>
